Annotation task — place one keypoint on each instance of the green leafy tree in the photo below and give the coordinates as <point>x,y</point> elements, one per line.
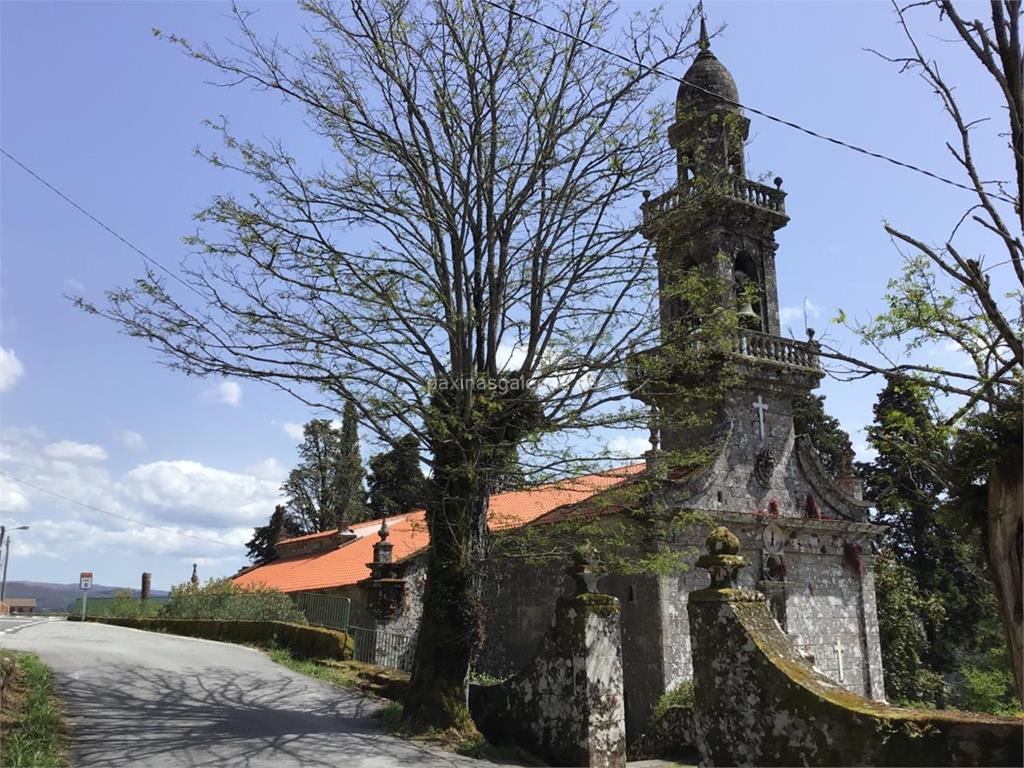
<point>828,437</point>
<point>396,481</point>
<point>223,600</point>
<point>906,479</point>
<point>955,292</point>
<point>263,544</point>
<point>326,488</point>
<point>351,492</point>
<point>935,601</point>
<point>902,614</point>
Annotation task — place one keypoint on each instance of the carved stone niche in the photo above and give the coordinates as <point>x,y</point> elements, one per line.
<point>387,597</point>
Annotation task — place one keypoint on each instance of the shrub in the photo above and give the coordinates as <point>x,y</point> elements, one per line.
<point>300,640</point>
<point>223,600</point>
<point>681,696</point>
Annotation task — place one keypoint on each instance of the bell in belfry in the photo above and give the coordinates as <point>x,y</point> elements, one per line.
<point>747,316</point>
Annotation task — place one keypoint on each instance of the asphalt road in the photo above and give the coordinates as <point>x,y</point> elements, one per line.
<point>158,701</point>
<point>11,624</point>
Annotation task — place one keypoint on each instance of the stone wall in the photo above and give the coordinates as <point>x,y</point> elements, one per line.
<point>758,701</point>
<point>566,706</point>
<point>825,602</point>
<point>520,601</point>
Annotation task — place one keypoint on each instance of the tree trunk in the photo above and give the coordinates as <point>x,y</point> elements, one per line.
<point>450,629</point>
<point>1005,542</point>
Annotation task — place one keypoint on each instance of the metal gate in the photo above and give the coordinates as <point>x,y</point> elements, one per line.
<point>324,610</point>
<point>385,649</point>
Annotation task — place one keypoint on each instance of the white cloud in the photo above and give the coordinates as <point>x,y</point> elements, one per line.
<point>181,497</point>
<point>292,429</point>
<point>12,499</point>
<point>808,308</point>
<point>229,392</point>
<point>187,490</point>
<point>131,440</point>
<point>629,446</point>
<point>268,469</point>
<point>11,369</point>
<point>72,451</point>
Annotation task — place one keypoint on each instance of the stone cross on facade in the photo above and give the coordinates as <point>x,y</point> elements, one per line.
<point>839,656</point>
<point>760,406</point>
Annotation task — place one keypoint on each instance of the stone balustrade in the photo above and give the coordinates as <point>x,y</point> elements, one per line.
<point>776,349</point>
<point>744,190</point>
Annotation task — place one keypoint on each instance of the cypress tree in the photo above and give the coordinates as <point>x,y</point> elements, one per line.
<point>396,481</point>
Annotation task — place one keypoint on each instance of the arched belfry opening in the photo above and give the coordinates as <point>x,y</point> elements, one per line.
<point>747,290</point>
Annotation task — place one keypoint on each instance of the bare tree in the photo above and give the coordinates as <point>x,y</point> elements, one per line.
<point>464,264</point>
<point>972,301</point>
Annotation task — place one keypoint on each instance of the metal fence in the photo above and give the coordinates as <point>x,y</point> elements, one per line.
<point>324,610</point>
<point>385,649</point>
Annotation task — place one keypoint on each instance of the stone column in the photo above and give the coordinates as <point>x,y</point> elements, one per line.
<point>567,705</point>
<point>874,683</point>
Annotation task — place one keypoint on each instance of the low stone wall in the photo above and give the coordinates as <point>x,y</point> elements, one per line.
<point>567,705</point>
<point>670,736</point>
<point>759,702</point>
<point>300,639</point>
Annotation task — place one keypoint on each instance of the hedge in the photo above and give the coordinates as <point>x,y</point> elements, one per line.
<point>300,639</point>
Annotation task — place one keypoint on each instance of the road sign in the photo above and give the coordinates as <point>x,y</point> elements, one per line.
<point>84,584</point>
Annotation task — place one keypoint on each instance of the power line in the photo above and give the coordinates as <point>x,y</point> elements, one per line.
<point>754,110</point>
<point>105,512</point>
<point>149,259</point>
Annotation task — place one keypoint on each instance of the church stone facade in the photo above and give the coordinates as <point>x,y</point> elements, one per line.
<point>804,532</point>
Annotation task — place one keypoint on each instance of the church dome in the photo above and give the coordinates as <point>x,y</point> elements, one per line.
<point>712,80</point>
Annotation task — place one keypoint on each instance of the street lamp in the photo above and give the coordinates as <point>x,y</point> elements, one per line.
<point>7,554</point>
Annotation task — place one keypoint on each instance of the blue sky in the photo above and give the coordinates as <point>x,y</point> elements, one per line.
<point>111,115</point>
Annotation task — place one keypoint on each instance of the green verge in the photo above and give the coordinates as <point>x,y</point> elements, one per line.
<point>390,684</point>
<point>34,731</point>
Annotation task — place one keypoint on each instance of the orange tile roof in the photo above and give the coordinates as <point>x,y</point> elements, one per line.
<point>347,564</point>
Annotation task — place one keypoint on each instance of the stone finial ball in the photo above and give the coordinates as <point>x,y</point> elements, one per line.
<point>722,541</point>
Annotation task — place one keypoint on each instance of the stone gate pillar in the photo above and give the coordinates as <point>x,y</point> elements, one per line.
<point>566,705</point>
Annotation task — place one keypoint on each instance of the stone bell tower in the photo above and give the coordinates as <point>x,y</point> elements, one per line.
<point>715,217</point>
<point>722,224</point>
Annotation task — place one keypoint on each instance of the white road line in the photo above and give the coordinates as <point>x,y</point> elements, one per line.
<point>19,627</point>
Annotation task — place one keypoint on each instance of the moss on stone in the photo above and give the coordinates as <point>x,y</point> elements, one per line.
<point>601,605</point>
<point>722,541</point>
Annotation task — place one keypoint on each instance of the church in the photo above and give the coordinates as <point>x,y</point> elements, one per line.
<point>805,533</point>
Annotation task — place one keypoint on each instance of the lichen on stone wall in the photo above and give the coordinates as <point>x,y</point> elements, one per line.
<point>759,702</point>
<point>567,705</point>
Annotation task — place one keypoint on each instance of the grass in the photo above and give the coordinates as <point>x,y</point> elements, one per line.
<point>32,724</point>
<point>390,684</point>
<point>366,678</point>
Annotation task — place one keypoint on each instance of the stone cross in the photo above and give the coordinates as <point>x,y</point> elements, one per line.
<point>760,406</point>
<point>839,655</point>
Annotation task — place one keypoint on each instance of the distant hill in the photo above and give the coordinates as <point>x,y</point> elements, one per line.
<point>57,597</point>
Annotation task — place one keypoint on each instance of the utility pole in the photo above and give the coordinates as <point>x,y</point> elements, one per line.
<point>7,556</point>
<point>5,542</point>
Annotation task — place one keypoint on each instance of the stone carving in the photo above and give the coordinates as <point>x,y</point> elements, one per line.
<point>723,560</point>
<point>764,464</point>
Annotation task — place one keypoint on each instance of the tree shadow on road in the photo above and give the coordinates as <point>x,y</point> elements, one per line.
<point>214,716</point>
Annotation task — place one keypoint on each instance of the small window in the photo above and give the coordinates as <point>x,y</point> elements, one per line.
<point>721,498</point>
<point>632,594</point>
